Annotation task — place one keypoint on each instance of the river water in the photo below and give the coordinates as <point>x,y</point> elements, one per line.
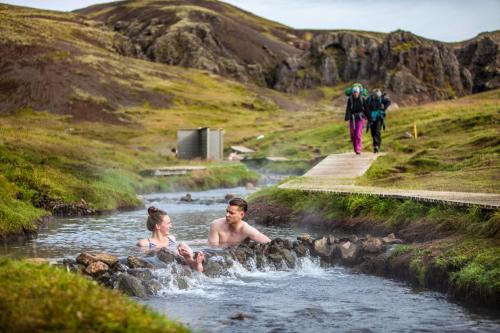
<point>308,298</point>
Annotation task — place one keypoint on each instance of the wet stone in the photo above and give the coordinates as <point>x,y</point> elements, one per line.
<point>300,250</point>
<point>85,259</point>
<point>275,257</point>
<point>140,273</point>
<point>96,268</point>
<point>287,244</point>
<point>373,245</point>
<point>134,262</point>
<point>187,198</point>
<point>131,285</point>
<point>349,252</point>
<point>105,279</point>
<point>108,259</point>
<point>241,316</point>
<point>166,256</point>
<point>212,268</point>
<point>324,246</point>
<point>260,261</point>
<point>289,258</point>
<point>119,267</point>
<point>305,238</point>
<point>181,282</point>
<point>152,287</point>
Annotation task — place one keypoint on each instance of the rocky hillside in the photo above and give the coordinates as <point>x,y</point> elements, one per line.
<point>212,35</point>
<point>203,34</point>
<point>61,63</point>
<point>413,68</point>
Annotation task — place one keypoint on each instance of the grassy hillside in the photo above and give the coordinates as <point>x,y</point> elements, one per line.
<point>80,121</point>
<point>457,147</point>
<point>40,298</point>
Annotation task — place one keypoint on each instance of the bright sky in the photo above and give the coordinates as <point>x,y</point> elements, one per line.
<point>445,20</point>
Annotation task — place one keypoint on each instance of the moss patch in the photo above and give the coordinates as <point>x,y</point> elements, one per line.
<point>40,298</point>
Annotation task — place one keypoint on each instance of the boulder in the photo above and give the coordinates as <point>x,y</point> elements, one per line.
<point>141,273</point>
<point>325,246</point>
<point>119,267</point>
<point>349,252</point>
<point>373,245</point>
<point>131,285</point>
<point>152,287</point>
<point>213,268</point>
<point>134,262</point>
<point>96,268</point>
<point>105,279</point>
<point>305,238</point>
<point>300,249</point>
<point>108,259</point>
<point>242,253</point>
<point>187,198</point>
<point>289,258</point>
<point>166,256</point>
<point>85,259</point>
<point>276,258</point>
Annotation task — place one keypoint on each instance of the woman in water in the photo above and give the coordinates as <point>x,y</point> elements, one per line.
<point>159,224</point>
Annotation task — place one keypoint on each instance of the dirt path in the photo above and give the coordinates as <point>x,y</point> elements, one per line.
<point>337,173</point>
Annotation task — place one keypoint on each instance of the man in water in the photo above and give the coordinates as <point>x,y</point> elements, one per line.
<point>232,230</point>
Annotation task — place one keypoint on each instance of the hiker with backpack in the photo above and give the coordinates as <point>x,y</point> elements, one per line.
<point>377,104</point>
<point>356,113</point>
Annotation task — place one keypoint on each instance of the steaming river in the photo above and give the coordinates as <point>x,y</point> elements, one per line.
<point>308,298</point>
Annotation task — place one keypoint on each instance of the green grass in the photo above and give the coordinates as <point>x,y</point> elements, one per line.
<point>463,247</point>
<point>51,163</point>
<point>457,149</point>
<point>395,213</point>
<point>41,298</point>
<point>401,249</point>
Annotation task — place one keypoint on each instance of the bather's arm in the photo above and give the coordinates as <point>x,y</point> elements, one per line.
<point>256,235</point>
<point>213,236</point>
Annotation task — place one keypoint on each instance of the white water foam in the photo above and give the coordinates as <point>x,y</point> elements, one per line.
<point>201,285</point>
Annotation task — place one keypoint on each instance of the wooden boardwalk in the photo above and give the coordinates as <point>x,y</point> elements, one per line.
<point>337,173</point>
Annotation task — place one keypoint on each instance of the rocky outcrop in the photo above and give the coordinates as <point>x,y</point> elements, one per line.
<point>201,34</point>
<point>480,60</point>
<point>410,67</point>
<point>137,276</point>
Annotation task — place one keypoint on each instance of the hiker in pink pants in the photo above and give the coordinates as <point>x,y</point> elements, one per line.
<point>356,131</point>
<point>356,114</point>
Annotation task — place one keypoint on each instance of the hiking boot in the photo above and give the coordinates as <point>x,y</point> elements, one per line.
<point>357,153</point>
<point>376,149</point>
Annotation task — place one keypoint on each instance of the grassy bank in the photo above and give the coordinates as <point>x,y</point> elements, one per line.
<point>43,167</point>
<point>457,148</point>
<point>449,248</point>
<point>41,298</point>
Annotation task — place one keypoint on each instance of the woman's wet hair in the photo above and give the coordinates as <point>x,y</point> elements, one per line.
<point>241,203</point>
<point>155,216</point>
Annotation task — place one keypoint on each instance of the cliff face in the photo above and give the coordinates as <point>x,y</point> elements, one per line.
<point>409,66</point>
<point>481,57</point>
